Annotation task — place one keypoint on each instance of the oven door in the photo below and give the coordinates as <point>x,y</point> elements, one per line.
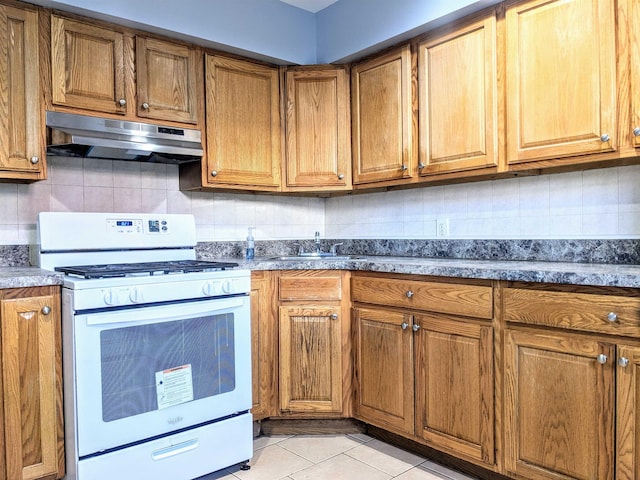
<point>148,371</point>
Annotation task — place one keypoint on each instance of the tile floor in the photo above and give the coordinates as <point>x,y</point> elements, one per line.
<point>333,457</point>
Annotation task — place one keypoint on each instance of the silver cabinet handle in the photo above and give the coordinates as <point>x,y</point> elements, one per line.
<point>612,317</point>
<point>605,137</point>
<point>415,327</point>
<point>35,159</point>
<point>340,176</point>
<point>145,105</point>
<point>623,361</point>
<point>409,294</point>
<point>602,358</point>
<point>214,173</point>
<point>404,168</point>
<point>46,310</point>
<point>122,102</point>
<point>334,316</point>
<point>636,132</point>
<point>404,325</point>
<point>421,165</point>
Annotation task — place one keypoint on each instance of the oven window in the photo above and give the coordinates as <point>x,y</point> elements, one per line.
<point>131,357</point>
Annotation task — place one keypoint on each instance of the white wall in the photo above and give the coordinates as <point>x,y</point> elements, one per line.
<point>591,204</point>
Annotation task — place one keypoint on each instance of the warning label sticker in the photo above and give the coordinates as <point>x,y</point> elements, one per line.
<point>174,386</point>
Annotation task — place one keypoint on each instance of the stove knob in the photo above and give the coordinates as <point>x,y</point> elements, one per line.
<point>110,298</point>
<point>227,286</point>
<point>135,295</point>
<point>209,289</point>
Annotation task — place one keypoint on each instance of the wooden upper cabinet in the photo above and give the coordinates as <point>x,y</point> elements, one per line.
<point>166,76</point>
<point>31,382</point>
<point>21,107</point>
<point>382,118</point>
<point>458,99</point>
<point>560,79</point>
<point>559,406</point>
<point>87,66</point>
<point>318,149</point>
<point>634,29</point>
<point>243,123</point>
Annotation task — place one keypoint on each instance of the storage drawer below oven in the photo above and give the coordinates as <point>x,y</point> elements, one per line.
<point>182,456</point>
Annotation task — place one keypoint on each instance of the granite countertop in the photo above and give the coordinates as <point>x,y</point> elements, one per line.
<point>16,277</point>
<point>596,274</point>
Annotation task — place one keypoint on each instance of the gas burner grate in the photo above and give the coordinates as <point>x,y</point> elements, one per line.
<point>148,268</point>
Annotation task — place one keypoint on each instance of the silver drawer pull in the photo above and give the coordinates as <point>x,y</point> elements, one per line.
<point>409,294</point>
<point>612,317</point>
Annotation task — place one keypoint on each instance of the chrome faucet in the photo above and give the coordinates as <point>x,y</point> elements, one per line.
<point>317,242</point>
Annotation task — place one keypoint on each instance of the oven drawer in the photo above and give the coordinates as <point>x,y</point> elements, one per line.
<point>310,286</point>
<point>609,314</point>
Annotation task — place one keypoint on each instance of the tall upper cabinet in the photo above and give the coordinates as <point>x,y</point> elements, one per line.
<point>21,105</point>
<point>383,120</point>
<point>560,79</point>
<point>318,148</point>
<point>458,98</point>
<point>243,124</point>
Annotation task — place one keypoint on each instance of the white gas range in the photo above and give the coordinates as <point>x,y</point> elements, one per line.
<point>156,347</point>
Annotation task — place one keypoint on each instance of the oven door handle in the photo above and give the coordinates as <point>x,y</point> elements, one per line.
<point>164,313</point>
<point>175,449</point>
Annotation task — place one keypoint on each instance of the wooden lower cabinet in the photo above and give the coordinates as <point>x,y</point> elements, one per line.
<point>31,423</point>
<point>455,385</point>
<point>264,345</point>
<point>314,338</point>
<point>424,364</point>
<point>559,406</point>
<point>628,412</point>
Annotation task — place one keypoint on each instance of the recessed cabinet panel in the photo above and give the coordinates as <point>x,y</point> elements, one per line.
<point>21,110</point>
<point>87,66</point>
<point>166,80</point>
<point>317,129</point>
<point>561,79</point>
<point>458,99</point>
<point>382,118</point>
<point>243,123</point>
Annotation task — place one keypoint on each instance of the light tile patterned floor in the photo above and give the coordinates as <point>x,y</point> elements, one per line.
<point>334,457</point>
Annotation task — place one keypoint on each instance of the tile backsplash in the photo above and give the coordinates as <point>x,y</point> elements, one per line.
<point>603,203</point>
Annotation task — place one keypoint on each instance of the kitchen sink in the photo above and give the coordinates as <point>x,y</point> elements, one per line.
<point>304,258</point>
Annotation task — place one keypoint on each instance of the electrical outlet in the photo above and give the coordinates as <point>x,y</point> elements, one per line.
<point>442,227</point>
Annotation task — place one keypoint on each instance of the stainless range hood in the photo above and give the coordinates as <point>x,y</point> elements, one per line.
<point>72,135</point>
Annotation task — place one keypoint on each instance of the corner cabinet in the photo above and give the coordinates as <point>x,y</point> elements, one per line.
<point>458,98</point>
<point>31,375</point>
<point>382,116</point>
<point>318,146</point>
<point>561,87</point>
<point>243,125</point>
<point>22,140</point>
<point>314,343</point>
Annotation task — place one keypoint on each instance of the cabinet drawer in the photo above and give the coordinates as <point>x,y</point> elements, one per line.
<point>451,298</point>
<point>320,287</point>
<point>610,314</point>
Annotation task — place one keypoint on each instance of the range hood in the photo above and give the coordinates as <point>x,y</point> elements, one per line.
<point>72,135</point>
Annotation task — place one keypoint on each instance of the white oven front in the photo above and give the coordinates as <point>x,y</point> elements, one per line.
<point>148,371</point>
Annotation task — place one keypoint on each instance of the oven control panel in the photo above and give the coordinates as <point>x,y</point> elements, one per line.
<point>137,225</point>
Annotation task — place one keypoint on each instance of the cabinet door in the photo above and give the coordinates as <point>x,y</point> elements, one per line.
<point>382,118</point>
<point>454,386</point>
<point>21,110</point>
<point>31,374</point>
<point>310,359</point>
<point>458,99</point>
<point>384,369</point>
<point>635,72</point>
<point>264,345</point>
<point>561,79</point>
<point>559,406</point>
<point>628,413</point>
<point>166,80</point>
<point>318,146</point>
<point>243,123</point>
<point>87,66</point>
